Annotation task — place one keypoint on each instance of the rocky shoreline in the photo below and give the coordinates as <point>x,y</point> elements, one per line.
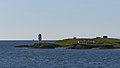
<point>74,46</point>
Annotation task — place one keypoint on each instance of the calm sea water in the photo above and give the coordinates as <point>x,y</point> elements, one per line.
<point>11,57</point>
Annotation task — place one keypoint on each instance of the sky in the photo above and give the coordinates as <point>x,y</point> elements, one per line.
<point>58,19</point>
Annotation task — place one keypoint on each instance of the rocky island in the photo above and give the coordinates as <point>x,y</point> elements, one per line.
<point>79,43</point>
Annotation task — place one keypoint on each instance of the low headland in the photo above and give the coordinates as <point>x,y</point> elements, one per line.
<point>79,43</point>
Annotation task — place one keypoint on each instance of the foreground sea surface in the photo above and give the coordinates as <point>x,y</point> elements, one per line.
<point>11,57</point>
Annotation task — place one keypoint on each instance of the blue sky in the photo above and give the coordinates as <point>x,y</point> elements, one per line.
<point>59,19</point>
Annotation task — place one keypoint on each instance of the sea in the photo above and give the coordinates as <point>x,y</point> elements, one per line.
<point>11,57</point>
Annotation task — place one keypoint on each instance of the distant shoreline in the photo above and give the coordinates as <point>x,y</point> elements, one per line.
<point>78,43</point>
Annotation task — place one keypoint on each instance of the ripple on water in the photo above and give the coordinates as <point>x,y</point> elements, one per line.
<point>58,58</point>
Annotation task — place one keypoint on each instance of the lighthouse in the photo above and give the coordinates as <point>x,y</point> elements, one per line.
<point>39,38</point>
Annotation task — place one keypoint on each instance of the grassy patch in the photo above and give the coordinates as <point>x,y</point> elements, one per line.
<point>45,45</point>
<point>105,41</point>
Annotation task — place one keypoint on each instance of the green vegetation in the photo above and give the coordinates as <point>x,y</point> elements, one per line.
<point>80,43</point>
<point>66,42</point>
<point>101,42</point>
<point>90,46</point>
<point>113,41</point>
<point>44,45</point>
